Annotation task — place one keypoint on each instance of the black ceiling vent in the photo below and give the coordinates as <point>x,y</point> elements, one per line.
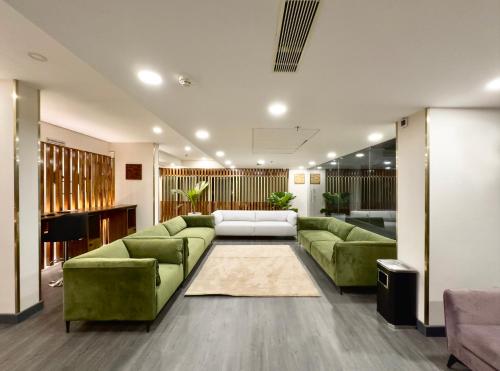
<point>298,16</point>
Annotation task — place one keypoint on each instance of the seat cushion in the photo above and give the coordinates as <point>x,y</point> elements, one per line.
<point>483,341</point>
<point>205,234</point>
<point>306,237</point>
<point>270,228</point>
<point>171,277</point>
<point>234,228</point>
<point>175,225</point>
<point>322,252</point>
<point>156,230</point>
<point>196,248</point>
<point>360,234</point>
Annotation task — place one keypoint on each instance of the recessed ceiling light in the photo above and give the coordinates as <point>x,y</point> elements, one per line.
<point>387,162</point>
<point>301,167</point>
<point>233,167</point>
<point>150,77</point>
<point>187,148</point>
<point>202,134</point>
<point>359,155</point>
<point>375,137</point>
<point>312,163</point>
<point>319,168</point>
<point>157,130</point>
<point>277,109</point>
<point>220,153</point>
<point>387,168</point>
<point>331,155</point>
<point>333,163</point>
<point>228,162</point>
<point>261,162</point>
<point>37,57</point>
<point>203,159</point>
<point>493,85</point>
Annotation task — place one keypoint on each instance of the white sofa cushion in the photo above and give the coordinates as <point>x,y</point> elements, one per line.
<point>238,215</point>
<point>234,228</point>
<point>273,228</point>
<point>271,215</point>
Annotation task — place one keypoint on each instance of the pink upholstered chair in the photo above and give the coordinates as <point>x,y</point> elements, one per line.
<point>473,328</point>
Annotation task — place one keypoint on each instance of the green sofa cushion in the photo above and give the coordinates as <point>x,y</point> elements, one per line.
<point>340,228</point>
<point>114,249</point>
<point>171,278</point>
<point>175,225</point>
<point>165,250</point>
<point>156,230</point>
<point>306,237</point>
<point>322,252</point>
<point>360,234</point>
<point>313,223</point>
<point>205,234</point>
<point>196,248</point>
<point>199,221</point>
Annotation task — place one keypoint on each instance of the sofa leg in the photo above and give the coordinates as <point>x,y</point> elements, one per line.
<point>340,290</point>
<point>67,327</point>
<point>148,326</point>
<point>451,361</point>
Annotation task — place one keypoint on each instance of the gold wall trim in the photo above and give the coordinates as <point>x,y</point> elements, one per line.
<point>427,210</point>
<point>15,99</point>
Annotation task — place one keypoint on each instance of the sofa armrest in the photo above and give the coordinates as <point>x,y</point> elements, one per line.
<point>109,289</point>
<point>356,261</point>
<point>312,223</point>
<point>194,221</point>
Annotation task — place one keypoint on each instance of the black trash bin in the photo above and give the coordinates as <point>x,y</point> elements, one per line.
<point>397,293</point>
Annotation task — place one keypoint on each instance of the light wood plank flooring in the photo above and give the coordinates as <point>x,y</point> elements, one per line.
<point>332,332</point>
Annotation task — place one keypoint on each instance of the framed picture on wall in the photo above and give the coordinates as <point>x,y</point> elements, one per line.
<point>315,179</point>
<point>133,171</point>
<point>299,178</point>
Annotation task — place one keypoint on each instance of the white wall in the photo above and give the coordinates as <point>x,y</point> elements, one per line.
<point>411,200</point>
<point>464,202</point>
<point>73,139</point>
<point>316,200</point>
<point>309,198</point>
<point>140,192</point>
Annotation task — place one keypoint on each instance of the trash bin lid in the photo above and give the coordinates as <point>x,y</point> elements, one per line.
<point>394,265</point>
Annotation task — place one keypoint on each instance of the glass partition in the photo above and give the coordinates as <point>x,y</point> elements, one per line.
<point>361,188</point>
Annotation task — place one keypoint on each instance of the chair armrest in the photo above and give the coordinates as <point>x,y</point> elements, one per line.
<point>356,261</point>
<point>312,223</point>
<point>194,221</point>
<point>109,289</point>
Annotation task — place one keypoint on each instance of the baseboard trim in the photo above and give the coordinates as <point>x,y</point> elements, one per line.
<point>431,331</point>
<point>21,316</point>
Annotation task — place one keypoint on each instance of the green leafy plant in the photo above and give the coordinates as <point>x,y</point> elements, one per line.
<point>193,194</point>
<point>336,203</point>
<point>282,200</point>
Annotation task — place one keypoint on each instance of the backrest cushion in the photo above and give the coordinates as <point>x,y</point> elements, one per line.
<point>155,248</point>
<point>360,234</point>
<point>339,228</point>
<point>175,225</point>
<point>271,216</point>
<point>313,223</point>
<point>238,215</point>
<point>115,249</point>
<point>217,214</point>
<point>156,230</point>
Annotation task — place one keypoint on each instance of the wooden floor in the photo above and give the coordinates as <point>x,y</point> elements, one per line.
<point>332,332</point>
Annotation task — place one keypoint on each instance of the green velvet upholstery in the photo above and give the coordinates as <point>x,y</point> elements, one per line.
<point>175,225</point>
<point>156,230</point>
<point>348,254</point>
<point>193,221</point>
<point>133,278</point>
<point>165,250</point>
<point>207,235</point>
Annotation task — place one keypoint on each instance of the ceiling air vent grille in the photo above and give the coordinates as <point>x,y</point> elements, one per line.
<point>298,16</point>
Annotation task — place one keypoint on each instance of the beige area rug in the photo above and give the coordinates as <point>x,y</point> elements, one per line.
<point>253,270</point>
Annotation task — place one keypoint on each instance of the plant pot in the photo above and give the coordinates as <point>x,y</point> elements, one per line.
<point>194,213</point>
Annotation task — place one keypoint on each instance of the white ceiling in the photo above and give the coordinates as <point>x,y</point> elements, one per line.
<point>366,64</point>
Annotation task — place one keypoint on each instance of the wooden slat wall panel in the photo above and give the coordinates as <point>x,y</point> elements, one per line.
<point>71,179</point>
<point>369,189</point>
<point>241,189</point>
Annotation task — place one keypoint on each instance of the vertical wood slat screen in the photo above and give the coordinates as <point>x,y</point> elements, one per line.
<point>241,189</point>
<point>369,189</point>
<point>72,179</point>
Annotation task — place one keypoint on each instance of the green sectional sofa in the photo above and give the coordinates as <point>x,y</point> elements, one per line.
<point>132,279</point>
<point>347,253</point>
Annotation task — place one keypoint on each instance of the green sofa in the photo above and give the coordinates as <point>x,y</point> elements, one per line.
<point>347,253</point>
<point>133,278</point>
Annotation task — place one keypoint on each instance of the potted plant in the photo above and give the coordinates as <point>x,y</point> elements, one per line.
<point>336,203</point>
<point>193,195</point>
<point>282,200</point>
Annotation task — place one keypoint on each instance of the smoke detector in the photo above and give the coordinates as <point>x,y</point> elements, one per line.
<point>184,81</point>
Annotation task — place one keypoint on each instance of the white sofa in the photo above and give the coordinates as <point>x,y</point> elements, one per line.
<point>279,223</point>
